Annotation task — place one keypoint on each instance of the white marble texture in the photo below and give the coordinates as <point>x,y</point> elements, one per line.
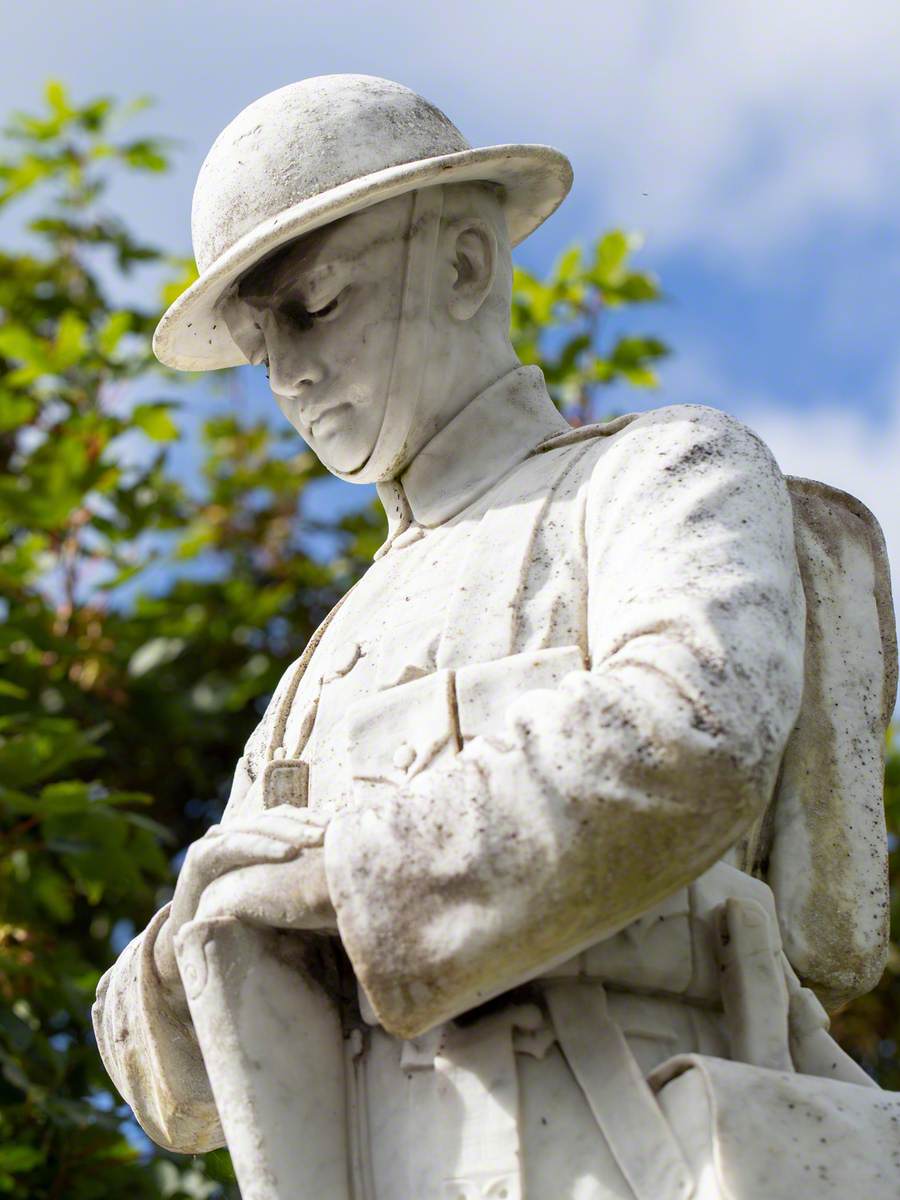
<point>519,890</point>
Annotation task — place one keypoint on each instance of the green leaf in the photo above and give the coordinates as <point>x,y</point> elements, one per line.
<point>640,377</point>
<point>187,274</point>
<point>144,155</point>
<point>70,341</point>
<point>636,351</point>
<point>219,1166</point>
<point>611,254</point>
<point>58,99</point>
<point>16,408</point>
<point>569,265</point>
<point>156,421</point>
<point>19,1159</point>
<point>116,325</point>
<point>54,893</point>
<point>66,797</point>
<point>638,288</point>
<point>18,343</point>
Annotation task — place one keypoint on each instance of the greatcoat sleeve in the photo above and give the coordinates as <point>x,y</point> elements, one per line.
<point>148,1046</point>
<point>144,1031</point>
<point>624,782</point>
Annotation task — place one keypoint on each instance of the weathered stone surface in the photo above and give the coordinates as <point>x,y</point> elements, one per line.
<point>502,845</point>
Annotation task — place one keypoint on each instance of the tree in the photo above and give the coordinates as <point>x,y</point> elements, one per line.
<point>148,616</point>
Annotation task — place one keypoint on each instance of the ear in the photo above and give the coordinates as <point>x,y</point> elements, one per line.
<point>474,260</point>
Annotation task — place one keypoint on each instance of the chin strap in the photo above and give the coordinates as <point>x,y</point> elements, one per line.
<point>411,344</point>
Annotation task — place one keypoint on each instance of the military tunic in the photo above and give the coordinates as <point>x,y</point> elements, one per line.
<point>557,698</point>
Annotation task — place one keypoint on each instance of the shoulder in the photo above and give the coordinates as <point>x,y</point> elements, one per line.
<point>643,459</point>
<point>670,427</point>
<point>678,443</point>
<point>683,471</point>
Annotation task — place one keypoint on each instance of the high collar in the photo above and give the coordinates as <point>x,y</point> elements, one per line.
<point>491,435</point>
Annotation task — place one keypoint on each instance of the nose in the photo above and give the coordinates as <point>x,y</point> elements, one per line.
<point>294,367</point>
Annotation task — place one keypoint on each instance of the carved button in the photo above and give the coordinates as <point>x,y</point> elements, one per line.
<point>404,757</point>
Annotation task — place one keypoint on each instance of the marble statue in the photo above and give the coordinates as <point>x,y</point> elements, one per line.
<point>558,841</point>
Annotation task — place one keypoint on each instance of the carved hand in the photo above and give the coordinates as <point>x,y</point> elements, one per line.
<point>269,871</point>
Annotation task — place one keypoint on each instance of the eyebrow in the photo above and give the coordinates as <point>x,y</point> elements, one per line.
<point>262,281</point>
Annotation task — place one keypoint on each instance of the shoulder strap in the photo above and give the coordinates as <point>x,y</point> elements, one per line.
<point>584,433</point>
<point>638,1135</point>
<point>297,670</point>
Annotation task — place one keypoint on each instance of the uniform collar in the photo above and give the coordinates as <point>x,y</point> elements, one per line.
<point>491,435</point>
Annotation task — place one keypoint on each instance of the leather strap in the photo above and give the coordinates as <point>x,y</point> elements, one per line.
<point>476,1093</point>
<point>298,670</point>
<point>637,1133</point>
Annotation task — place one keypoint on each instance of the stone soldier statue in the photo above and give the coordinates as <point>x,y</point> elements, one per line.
<point>550,848</point>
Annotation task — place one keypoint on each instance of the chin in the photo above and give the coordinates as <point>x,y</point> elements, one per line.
<point>343,459</point>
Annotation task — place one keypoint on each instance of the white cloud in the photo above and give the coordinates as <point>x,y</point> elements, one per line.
<point>736,124</point>
<point>739,125</point>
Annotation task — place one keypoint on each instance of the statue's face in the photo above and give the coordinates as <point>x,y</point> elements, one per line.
<point>323,314</point>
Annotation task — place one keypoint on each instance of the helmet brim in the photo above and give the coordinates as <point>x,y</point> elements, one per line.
<point>191,336</point>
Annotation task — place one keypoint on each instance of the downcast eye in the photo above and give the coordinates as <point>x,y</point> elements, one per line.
<point>302,317</point>
<point>329,307</point>
<point>323,312</point>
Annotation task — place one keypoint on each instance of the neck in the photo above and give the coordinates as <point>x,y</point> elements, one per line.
<point>462,372</point>
<point>488,436</point>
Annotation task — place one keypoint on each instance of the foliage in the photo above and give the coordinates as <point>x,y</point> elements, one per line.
<point>87,748</point>
<point>557,322</point>
<point>149,611</point>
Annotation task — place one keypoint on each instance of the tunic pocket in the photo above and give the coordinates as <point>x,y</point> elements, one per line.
<point>395,734</point>
<point>484,691</point>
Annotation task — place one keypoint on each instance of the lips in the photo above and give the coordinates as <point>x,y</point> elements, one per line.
<point>324,414</point>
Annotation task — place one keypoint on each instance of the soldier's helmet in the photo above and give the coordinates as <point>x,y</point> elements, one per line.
<point>311,153</point>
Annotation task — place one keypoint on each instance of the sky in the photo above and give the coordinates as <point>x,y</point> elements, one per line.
<point>754,145</point>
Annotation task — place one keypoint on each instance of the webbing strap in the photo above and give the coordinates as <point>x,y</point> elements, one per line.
<point>297,671</point>
<point>476,1094</point>
<point>411,346</point>
<point>637,1133</point>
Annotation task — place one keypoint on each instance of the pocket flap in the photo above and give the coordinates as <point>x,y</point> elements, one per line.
<point>396,733</point>
<point>484,691</point>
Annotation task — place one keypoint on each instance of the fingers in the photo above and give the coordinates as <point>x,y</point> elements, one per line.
<point>288,895</point>
<point>303,816</point>
<point>164,956</point>
<point>284,822</point>
<point>276,835</point>
<point>218,853</point>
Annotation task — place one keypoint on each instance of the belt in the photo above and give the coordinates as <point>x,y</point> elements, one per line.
<point>474,1089</point>
<point>624,1107</point>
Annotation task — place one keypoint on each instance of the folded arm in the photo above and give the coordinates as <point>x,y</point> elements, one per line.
<point>624,782</point>
<point>148,1046</point>
<point>265,869</point>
